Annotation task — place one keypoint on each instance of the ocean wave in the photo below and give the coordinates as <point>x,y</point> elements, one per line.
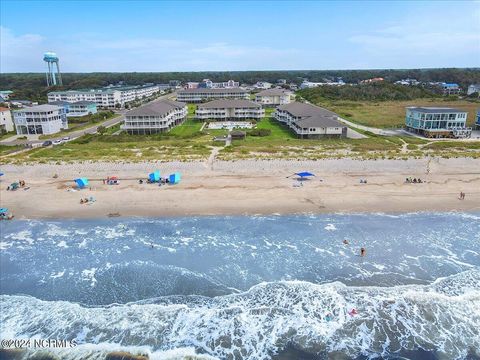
<point>442,317</point>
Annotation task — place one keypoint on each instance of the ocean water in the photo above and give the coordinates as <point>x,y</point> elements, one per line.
<point>257,287</point>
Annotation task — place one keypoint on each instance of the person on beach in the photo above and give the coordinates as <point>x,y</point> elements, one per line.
<point>363,251</point>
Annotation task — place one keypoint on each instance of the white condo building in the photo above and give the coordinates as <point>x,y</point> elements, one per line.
<point>6,123</point>
<point>201,94</point>
<point>273,97</point>
<point>40,120</point>
<point>155,117</point>
<point>229,110</point>
<point>310,121</point>
<point>108,97</point>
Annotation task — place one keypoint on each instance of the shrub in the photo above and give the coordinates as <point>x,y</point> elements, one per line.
<point>259,132</point>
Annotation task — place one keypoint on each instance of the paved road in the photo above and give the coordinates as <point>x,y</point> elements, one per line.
<point>76,134</point>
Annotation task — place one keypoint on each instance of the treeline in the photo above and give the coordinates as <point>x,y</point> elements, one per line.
<point>368,92</point>
<point>32,85</point>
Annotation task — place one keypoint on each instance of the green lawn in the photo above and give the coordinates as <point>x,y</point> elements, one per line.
<point>188,128</point>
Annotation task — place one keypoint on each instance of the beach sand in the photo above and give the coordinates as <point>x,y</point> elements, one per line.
<point>244,187</point>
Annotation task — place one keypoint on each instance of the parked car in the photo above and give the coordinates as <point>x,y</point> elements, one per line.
<point>66,138</point>
<point>47,143</point>
<point>57,142</point>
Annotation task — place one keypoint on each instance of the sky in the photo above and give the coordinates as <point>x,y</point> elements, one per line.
<point>161,36</point>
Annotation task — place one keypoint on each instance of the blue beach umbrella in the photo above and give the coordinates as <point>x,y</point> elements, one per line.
<point>174,178</point>
<point>81,182</point>
<point>154,177</point>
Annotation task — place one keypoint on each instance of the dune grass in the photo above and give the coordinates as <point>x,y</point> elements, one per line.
<point>391,114</point>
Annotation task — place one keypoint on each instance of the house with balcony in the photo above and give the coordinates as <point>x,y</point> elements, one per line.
<point>309,121</point>
<point>40,120</point>
<point>477,122</point>
<point>229,110</point>
<point>200,95</point>
<point>437,122</point>
<point>78,108</point>
<point>273,97</point>
<point>155,117</point>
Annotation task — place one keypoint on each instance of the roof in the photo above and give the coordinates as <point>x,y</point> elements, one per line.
<point>311,115</point>
<point>212,91</point>
<point>44,107</point>
<point>436,110</point>
<point>4,109</point>
<point>273,92</point>
<point>156,108</point>
<point>227,103</point>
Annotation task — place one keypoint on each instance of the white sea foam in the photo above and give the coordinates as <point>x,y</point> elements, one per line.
<point>441,317</point>
<point>330,227</point>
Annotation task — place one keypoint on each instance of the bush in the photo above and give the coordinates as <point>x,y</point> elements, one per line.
<point>259,132</point>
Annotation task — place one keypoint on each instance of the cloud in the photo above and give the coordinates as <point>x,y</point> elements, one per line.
<point>428,40</point>
<point>18,51</point>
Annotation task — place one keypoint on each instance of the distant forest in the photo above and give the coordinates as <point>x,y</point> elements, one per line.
<point>32,85</point>
<point>382,91</point>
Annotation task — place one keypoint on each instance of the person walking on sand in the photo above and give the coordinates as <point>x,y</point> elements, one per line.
<point>363,251</point>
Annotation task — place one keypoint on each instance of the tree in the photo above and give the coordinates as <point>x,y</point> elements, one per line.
<point>101,129</point>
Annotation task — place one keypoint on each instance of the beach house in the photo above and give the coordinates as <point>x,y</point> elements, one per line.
<point>310,121</point>
<point>437,122</point>
<point>229,110</point>
<point>40,120</point>
<point>155,117</point>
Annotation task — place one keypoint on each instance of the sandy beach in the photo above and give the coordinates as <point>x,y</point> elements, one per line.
<point>244,187</point>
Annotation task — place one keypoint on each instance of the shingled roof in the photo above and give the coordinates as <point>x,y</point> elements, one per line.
<point>311,116</point>
<point>156,108</point>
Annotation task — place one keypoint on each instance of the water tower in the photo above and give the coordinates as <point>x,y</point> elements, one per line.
<point>53,76</point>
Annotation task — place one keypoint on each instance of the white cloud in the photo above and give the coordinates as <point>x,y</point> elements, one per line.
<point>436,40</point>
<point>17,52</point>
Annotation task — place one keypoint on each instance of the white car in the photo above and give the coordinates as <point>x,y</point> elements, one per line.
<point>57,142</point>
<point>66,138</point>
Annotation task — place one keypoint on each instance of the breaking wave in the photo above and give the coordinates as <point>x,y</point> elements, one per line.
<point>443,317</point>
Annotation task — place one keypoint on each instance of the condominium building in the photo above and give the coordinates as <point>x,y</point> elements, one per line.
<point>200,95</point>
<point>273,97</point>
<point>229,110</point>
<point>6,123</point>
<point>40,120</point>
<point>477,122</point>
<point>310,121</point>
<point>108,97</point>
<point>77,109</point>
<point>437,122</point>
<point>155,117</point>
